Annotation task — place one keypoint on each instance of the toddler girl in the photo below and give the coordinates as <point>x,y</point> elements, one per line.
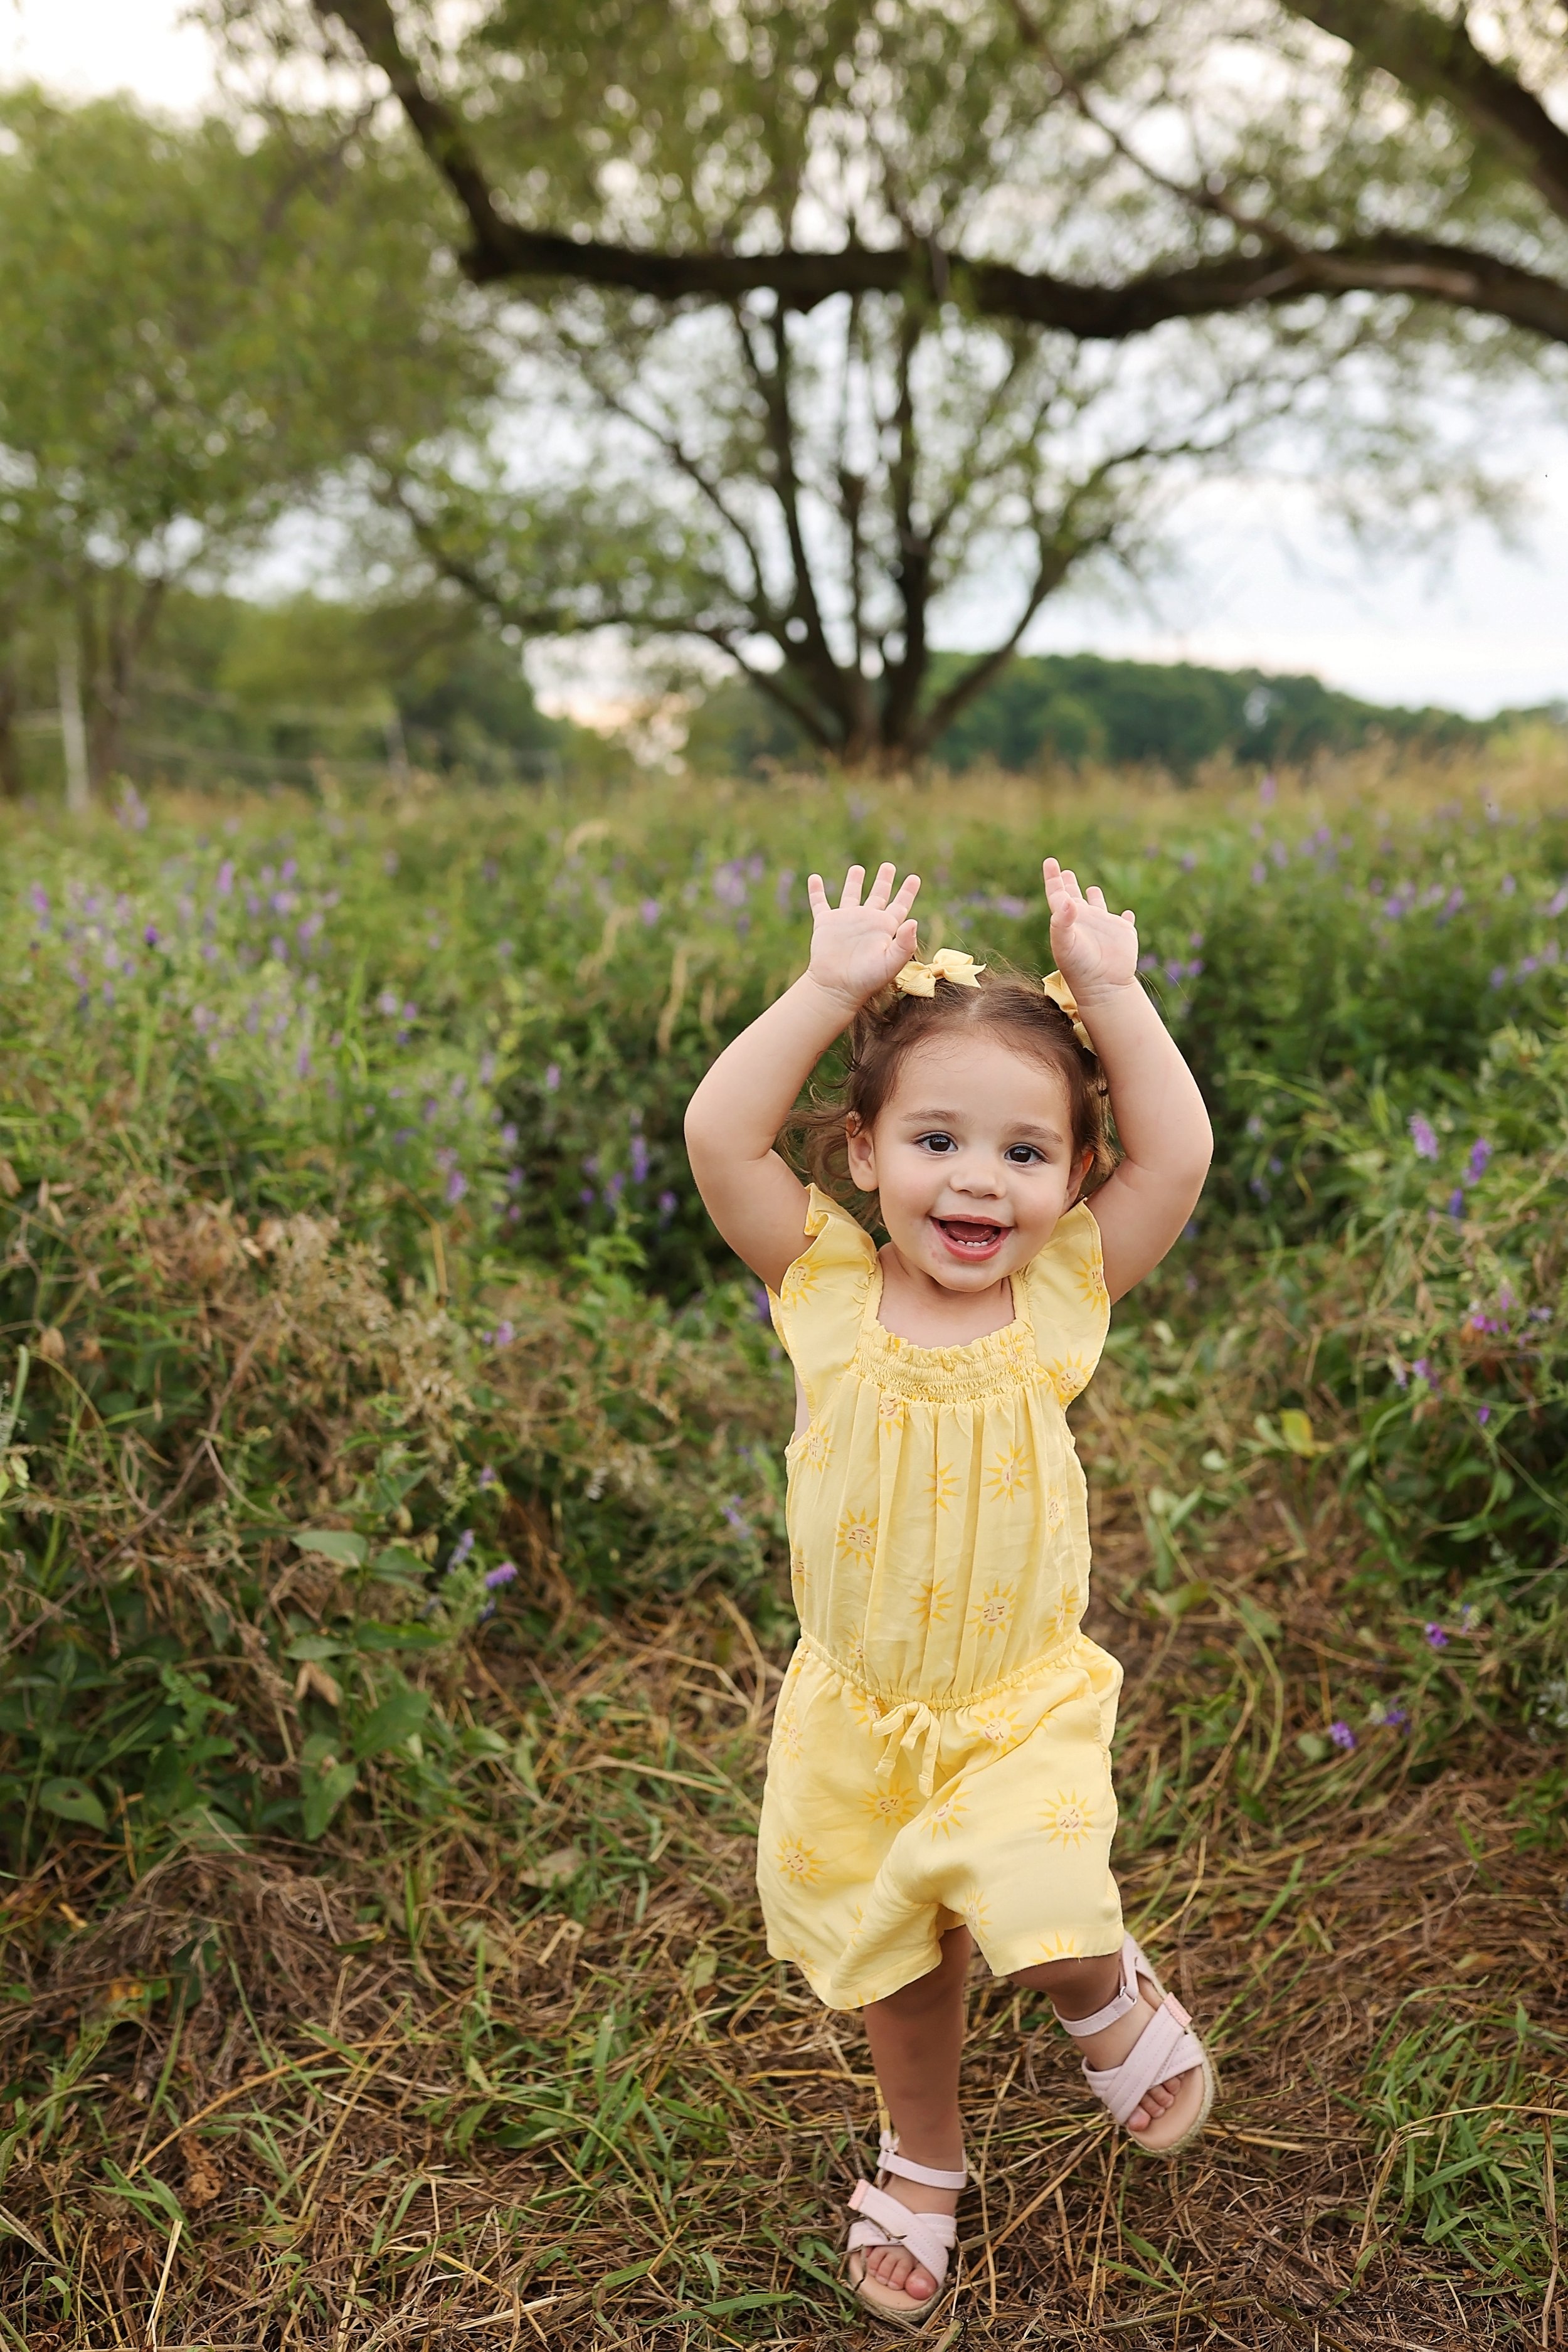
<point>940,1774</point>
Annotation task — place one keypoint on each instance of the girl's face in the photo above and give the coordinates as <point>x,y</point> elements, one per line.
<point>972,1155</point>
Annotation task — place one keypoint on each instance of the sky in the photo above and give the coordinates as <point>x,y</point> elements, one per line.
<point>1262,583</point>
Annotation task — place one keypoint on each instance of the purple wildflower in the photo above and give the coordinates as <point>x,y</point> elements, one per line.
<point>1267,792</point>
<point>1342,1735</point>
<point>639,1161</point>
<point>461,1549</point>
<point>1481,1154</point>
<point>650,910</point>
<point>486,1476</point>
<point>667,1207</point>
<point>1483,1415</point>
<point>150,935</point>
<point>1260,873</point>
<point>504,1335</point>
<point>387,1003</point>
<point>1456,1203</point>
<point>784,889</point>
<point>224,885</point>
<point>1436,1639</point>
<point>502,1574</point>
<point>553,1077</point>
<point>736,1518</point>
<point>457,1185</point>
<point>1423,1136</point>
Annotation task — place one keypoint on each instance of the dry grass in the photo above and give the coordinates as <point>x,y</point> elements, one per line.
<point>502,2058</point>
<point>307,2111</point>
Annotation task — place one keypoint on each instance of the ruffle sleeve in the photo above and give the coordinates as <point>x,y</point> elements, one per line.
<point>1069,1305</point>
<point>818,1308</point>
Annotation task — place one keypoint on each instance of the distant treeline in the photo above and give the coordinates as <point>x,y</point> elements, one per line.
<point>1079,708</point>
<point>270,692</point>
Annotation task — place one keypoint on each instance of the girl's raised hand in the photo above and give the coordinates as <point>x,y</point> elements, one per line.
<point>1094,948</point>
<point>856,947</point>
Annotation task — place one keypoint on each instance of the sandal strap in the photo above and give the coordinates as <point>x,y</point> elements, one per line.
<point>890,2160</point>
<point>1166,2046</point>
<point>929,2236</point>
<point>1121,2003</point>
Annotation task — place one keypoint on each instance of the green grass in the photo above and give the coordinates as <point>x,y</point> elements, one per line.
<point>381,1954</point>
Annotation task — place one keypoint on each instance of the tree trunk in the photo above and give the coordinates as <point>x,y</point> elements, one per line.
<point>115,650</point>
<point>11,778</point>
<point>73,727</point>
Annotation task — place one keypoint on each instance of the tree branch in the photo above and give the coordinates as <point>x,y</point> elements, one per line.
<point>922,270</point>
<point>1435,54</point>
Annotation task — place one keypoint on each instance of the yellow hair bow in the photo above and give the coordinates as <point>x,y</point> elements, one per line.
<point>1058,992</point>
<point>919,979</point>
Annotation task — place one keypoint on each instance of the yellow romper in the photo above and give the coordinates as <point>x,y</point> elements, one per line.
<point>941,1747</point>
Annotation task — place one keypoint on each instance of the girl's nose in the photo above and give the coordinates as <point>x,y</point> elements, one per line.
<point>975,1176</point>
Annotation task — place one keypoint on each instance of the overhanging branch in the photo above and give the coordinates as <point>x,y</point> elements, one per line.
<point>1423,269</point>
<point>1435,55</point>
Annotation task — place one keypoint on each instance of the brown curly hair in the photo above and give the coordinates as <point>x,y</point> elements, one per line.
<point>886,1031</point>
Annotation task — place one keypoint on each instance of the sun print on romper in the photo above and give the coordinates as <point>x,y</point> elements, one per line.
<point>942,1484</point>
<point>974,1912</point>
<point>862,1706</point>
<point>1066,1818</point>
<point>1009,1473</point>
<point>1061,1946</point>
<point>946,1816</point>
<point>799,1574</point>
<point>798,1862</point>
<point>1053,1508</point>
<point>800,1280</point>
<point>787,1740</point>
<point>816,1446</point>
<point>1067,1375</point>
<point>1091,1284</point>
<point>996,1723</point>
<point>992,1613</point>
<point>931,1602</point>
<point>889,1805</point>
<point>1066,1610</point>
<point>858,1536</point>
<point>892,1413</point>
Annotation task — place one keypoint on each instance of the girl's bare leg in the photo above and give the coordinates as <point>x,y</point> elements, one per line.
<point>917,2037</point>
<point>1077,1988</point>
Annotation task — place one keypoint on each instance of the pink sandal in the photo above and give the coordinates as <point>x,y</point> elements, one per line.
<point>1167,2046</point>
<point>929,2236</point>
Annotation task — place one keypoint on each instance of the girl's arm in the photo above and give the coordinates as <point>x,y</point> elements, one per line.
<point>1166,1141</point>
<point>732,1121</point>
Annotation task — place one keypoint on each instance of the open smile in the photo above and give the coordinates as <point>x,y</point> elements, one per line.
<point>974,1239</point>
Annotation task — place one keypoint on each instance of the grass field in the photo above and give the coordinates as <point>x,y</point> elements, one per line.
<point>391,1551</point>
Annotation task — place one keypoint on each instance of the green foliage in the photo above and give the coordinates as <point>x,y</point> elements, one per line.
<point>1074,709</point>
<point>1462,2119</point>
<point>197,328</point>
<point>276,690</point>
<point>297,1113</point>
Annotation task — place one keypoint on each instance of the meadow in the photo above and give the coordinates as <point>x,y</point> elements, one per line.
<point>394,1593</point>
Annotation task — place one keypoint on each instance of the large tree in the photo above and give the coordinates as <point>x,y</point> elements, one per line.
<point>846,303</point>
<point>199,325</point>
